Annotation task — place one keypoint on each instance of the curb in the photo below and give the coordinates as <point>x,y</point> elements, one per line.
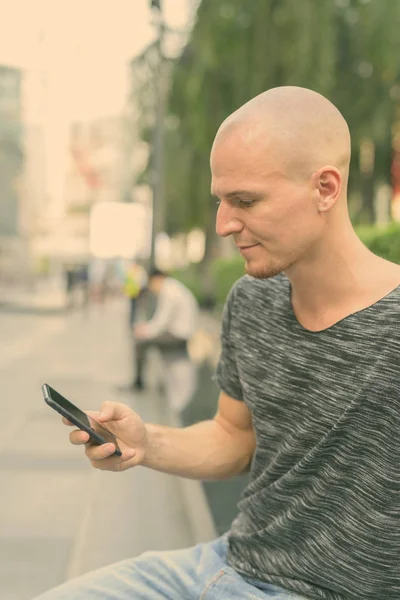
<point>196,504</point>
<point>11,307</point>
<point>194,498</point>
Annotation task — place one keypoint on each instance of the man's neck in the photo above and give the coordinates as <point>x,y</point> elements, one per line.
<point>339,283</point>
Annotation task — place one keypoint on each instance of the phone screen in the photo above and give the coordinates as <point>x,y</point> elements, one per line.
<point>80,416</point>
<point>71,408</point>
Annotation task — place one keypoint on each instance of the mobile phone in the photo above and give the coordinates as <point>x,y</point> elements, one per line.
<point>98,433</point>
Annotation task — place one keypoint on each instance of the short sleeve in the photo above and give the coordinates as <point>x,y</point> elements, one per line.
<point>226,375</point>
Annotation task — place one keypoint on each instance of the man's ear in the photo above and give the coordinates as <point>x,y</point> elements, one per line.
<point>328,183</point>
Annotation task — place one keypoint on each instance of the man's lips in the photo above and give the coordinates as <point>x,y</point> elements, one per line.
<point>246,246</point>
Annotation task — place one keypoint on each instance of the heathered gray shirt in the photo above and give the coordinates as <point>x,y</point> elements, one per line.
<point>321,513</point>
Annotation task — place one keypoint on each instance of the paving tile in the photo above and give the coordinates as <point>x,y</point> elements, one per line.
<point>30,566</point>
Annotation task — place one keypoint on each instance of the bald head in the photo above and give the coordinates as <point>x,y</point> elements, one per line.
<point>279,167</point>
<point>304,129</point>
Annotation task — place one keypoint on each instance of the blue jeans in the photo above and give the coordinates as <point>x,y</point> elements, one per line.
<point>198,573</point>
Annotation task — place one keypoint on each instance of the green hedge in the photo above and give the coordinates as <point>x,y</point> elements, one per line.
<point>226,271</point>
<point>384,242</point>
<point>192,278</point>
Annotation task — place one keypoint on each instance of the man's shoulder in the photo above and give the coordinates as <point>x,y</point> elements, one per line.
<point>256,304</point>
<point>251,297</point>
<point>388,313</point>
<point>248,287</point>
<point>178,289</point>
<point>173,284</point>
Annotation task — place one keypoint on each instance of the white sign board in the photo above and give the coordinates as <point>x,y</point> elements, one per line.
<point>119,229</point>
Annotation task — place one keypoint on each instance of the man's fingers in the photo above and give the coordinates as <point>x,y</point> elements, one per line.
<point>102,457</point>
<point>78,437</point>
<point>111,411</point>
<point>96,452</point>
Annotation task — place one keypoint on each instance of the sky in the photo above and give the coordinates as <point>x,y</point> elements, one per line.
<point>83,45</point>
<point>75,56</point>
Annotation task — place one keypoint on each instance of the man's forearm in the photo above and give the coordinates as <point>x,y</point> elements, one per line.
<point>202,451</point>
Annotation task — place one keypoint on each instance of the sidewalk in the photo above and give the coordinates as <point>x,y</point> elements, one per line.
<point>58,516</point>
<point>49,297</point>
<point>43,296</point>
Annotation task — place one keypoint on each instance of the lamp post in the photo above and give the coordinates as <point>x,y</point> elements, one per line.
<point>157,167</point>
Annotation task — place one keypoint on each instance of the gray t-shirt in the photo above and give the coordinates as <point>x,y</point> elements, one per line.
<point>321,513</point>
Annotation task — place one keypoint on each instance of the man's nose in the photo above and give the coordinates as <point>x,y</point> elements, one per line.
<point>227,221</point>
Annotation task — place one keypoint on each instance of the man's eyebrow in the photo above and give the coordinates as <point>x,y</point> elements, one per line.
<point>241,194</point>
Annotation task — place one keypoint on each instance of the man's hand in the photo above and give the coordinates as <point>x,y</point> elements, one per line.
<point>127,426</point>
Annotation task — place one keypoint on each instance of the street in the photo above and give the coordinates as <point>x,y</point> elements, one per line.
<point>58,516</point>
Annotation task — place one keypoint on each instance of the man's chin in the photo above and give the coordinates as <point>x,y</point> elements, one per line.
<point>260,271</point>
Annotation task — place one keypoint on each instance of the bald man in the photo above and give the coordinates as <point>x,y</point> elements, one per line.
<point>309,378</point>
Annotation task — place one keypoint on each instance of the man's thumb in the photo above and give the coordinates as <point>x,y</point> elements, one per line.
<point>106,411</point>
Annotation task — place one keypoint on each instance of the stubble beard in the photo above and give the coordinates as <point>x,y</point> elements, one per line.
<point>266,269</point>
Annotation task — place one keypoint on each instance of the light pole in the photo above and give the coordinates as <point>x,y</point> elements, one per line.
<point>157,166</point>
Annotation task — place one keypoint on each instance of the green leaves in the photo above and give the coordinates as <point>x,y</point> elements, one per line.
<point>347,50</point>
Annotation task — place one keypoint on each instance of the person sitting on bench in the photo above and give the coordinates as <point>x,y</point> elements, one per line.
<point>172,325</point>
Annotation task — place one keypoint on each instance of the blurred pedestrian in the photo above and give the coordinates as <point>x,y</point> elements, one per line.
<point>97,274</point>
<point>173,324</point>
<point>70,283</point>
<point>82,284</point>
<point>135,281</point>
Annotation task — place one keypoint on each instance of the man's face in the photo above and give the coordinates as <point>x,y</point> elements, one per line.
<point>271,213</point>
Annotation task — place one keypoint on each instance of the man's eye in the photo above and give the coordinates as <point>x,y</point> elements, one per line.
<point>246,203</point>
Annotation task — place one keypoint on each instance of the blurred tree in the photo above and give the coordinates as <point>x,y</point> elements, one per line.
<point>236,51</point>
<point>366,77</point>
<point>345,49</point>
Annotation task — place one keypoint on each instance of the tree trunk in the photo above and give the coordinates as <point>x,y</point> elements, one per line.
<point>211,252</point>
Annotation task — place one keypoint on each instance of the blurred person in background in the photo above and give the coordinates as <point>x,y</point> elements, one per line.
<point>134,283</point>
<point>97,274</point>
<point>76,285</point>
<point>82,284</point>
<point>173,324</point>
<point>309,380</point>
<point>70,282</point>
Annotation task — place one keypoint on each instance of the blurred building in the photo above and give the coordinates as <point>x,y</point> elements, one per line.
<point>93,174</point>
<point>11,170</point>
<point>23,189</point>
<point>35,196</point>
<point>94,171</point>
